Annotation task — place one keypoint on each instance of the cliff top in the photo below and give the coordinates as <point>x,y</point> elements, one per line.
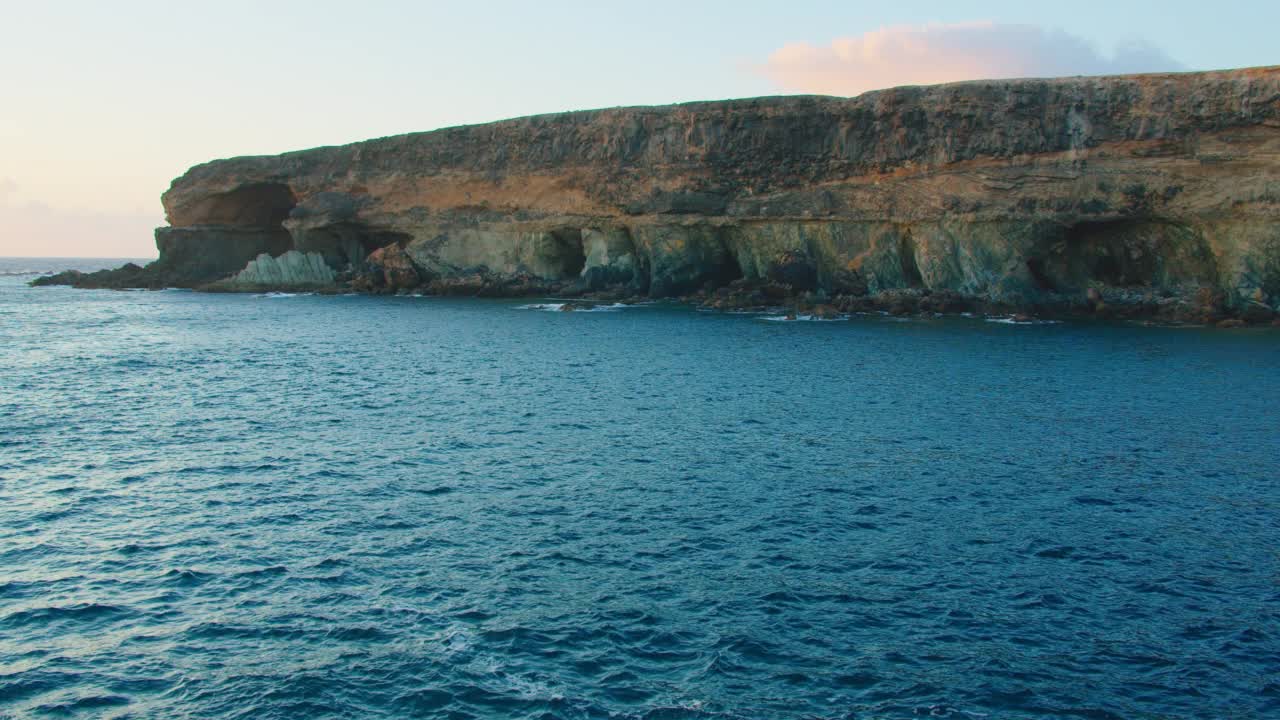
<point>904,94</point>
<point>731,148</point>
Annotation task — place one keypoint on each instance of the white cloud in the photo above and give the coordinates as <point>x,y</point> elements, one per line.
<point>895,56</point>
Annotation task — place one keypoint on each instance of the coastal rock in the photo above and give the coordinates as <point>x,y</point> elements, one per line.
<point>610,259</point>
<point>290,271</point>
<point>127,275</point>
<point>390,268</point>
<point>825,312</point>
<point>1031,194</point>
<point>203,253</point>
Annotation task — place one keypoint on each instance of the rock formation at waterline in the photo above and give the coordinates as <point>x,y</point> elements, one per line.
<point>1149,191</point>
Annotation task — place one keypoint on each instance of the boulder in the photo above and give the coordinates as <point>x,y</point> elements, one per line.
<point>392,268</point>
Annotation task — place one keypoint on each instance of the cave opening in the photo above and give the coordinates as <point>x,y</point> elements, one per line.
<point>730,270</point>
<point>1123,253</point>
<point>258,205</point>
<point>1035,266</point>
<point>791,267</point>
<point>568,255</point>
<point>346,245</point>
<point>911,275</point>
<point>1118,253</point>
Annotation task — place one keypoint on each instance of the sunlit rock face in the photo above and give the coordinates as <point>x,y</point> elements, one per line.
<point>1026,192</point>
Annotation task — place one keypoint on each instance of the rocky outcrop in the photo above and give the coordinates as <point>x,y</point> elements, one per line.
<point>291,270</point>
<point>389,268</point>
<point>1155,194</point>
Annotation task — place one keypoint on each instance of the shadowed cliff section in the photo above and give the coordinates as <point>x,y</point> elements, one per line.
<point>1154,192</point>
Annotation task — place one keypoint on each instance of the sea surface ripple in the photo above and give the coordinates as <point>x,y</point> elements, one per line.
<point>235,506</point>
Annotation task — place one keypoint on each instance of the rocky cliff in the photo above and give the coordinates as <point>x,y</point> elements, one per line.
<point>1155,193</point>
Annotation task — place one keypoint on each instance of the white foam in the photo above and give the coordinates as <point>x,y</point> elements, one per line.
<point>529,689</point>
<point>455,640</point>
<point>275,295</point>
<point>557,307</point>
<point>1014,321</point>
<point>799,318</point>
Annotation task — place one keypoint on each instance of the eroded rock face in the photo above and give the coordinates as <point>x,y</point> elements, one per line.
<point>1028,193</point>
<point>292,270</point>
<point>198,254</point>
<point>389,269</point>
<point>610,259</point>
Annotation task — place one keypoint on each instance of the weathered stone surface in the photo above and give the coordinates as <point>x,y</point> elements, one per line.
<point>389,269</point>
<point>199,254</point>
<point>289,271</point>
<point>127,275</point>
<point>610,259</point>
<point>1028,193</point>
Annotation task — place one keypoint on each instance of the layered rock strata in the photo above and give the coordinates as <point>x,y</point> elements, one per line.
<point>1160,192</point>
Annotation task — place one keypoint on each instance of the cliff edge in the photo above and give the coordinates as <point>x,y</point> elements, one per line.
<point>1155,194</point>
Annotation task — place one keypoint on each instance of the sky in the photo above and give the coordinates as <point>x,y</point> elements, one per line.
<point>104,103</point>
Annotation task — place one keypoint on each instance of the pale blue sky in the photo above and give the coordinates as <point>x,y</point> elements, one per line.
<point>104,103</point>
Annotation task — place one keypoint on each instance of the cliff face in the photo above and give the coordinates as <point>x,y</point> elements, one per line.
<point>1152,189</point>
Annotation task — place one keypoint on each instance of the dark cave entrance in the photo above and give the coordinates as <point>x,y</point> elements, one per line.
<point>259,205</point>
<point>1117,253</point>
<point>1039,276</point>
<point>731,270</point>
<point>566,253</point>
<point>346,245</point>
<point>256,212</point>
<point>911,275</point>
<point>1125,253</point>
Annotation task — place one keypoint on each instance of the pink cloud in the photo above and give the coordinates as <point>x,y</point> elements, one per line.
<point>896,56</point>
<point>34,229</point>
<point>30,228</point>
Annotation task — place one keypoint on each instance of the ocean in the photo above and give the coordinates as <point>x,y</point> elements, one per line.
<point>303,506</point>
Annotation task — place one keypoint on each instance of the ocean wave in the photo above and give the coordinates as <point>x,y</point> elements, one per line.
<point>558,307</point>
<point>276,295</point>
<point>187,577</point>
<point>1016,321</point>
<point>85,704</point>
<point>47,614</point>
<point>391,513</point>
<point>24,273</point>
<point>799,318</point>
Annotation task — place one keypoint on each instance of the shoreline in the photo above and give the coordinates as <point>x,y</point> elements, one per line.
<point>1146,307</point>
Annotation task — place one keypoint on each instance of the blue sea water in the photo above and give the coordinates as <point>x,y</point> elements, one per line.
<point>294,506</point>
